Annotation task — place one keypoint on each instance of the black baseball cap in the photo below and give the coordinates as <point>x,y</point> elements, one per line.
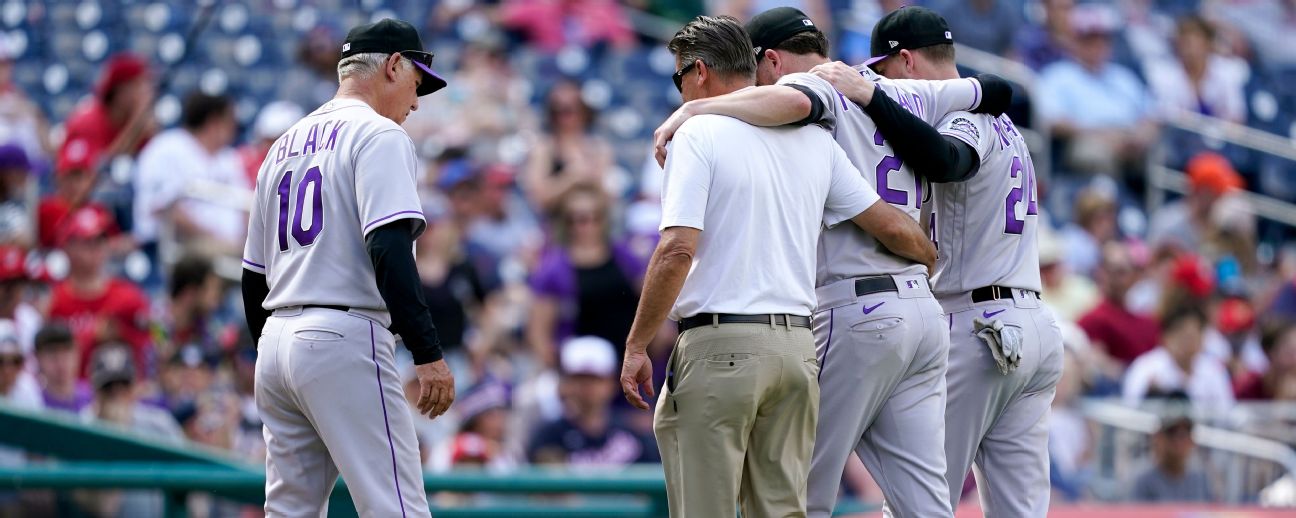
<point>390,36</point>
<point>907,28</point>
<point>772,27</point>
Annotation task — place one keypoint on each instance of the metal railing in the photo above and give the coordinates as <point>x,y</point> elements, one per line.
<point>1239,464</point>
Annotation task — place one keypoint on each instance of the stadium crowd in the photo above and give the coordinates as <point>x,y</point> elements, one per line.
<point>119,218</point>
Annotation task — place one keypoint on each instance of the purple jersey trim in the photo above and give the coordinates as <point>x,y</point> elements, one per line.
<point>373,351</point>
<point>390,216</point>
<point>976,93</point>
<point>250,263</point>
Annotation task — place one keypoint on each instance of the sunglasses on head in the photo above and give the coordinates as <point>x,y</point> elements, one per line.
<point>678,77</point>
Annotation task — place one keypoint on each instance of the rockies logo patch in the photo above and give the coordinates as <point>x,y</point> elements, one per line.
<point>966,126</point>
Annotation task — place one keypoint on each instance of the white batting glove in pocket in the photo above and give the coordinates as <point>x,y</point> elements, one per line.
<point>1004,342</point>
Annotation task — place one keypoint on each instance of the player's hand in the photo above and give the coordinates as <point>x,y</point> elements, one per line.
<point>636,371</point>
<point>436,388</point>
<point>846,80</point>
<point>666,131</point>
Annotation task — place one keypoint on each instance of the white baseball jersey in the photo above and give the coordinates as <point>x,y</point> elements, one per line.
<point>336,175</point>
<point>847,252</point>
<point>985,227</point>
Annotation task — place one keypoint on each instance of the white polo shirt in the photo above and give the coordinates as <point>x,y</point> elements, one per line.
<point>760,196</point>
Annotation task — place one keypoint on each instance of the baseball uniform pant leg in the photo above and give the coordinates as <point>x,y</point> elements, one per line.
<point>904,448</point>
<point>299,471</point>
<point>342,373</point>
<point>736,422</point>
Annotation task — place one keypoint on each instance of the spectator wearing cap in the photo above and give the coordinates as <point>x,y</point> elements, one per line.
<point>16,226</point>
<point>483,417</point>
<point>187,376</point>
<point>569,153</point>
<point>1069,294</point>
<point>22,122</point>
<point>1185,223</point>
<point>15,277</point>
<point>1178,365</point>
<point>1050,40</point>
<point>505,225</point>
<point>588,433</point>
<point>74,182</point>
<point>586,284</point>
<point>1118,332</point>
<point>987,25</point>
<point>97,306</point>
<point>116,404</point>
<point>1173,475</point>
<point>1093,224</point>
<point>1278,340</point>
<point>1232,338</point>
<point>58,366</point>
<point>117,120</point>
<point>272,121</point>
<point>1100,109</point>
<point>181,174</point>
<point>1198,79</point>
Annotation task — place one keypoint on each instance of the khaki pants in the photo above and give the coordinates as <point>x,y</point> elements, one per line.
<point>736,421</point>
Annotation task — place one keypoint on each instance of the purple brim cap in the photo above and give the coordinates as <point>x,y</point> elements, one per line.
<point>431,81</point>
<point>870,61</point>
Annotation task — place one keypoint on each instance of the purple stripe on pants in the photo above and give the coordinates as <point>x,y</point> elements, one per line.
<point>373,347</point>
<point>824,362</point>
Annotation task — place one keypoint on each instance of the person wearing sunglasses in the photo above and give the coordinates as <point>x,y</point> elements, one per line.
<point>742,211</point>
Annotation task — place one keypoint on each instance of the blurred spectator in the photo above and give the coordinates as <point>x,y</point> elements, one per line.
<point>118,120</point>
<point>550,25</point>
<point>585,284</point>
<point>191,312</point>
<point>74,182</point>
<point>1185,222</point>
<point>59,367</point>
<point>1070,295</point>
<point>15,385</point>
<point>1173,476</point>
<point>312,81</point>
<point>987,25</point>
<point>22,123</point>
<point>486,101</point>
<point>1116,331</point>
<point>116,403</point>
<point>186,377</point>
<point>1051,40</point>
<point>97,306</point>
<point>588,433</point>
<point>504,225</point>
<point>194,157</point>
<point>818,10</point>
<point>1231,339</point>
<point>14,280</point>
<point>1099,109</point>
<point>16,227</point>
<point>1278,339</point>
<point>1070,439</point>
<point>569,153</point>
<point>1267,25</point>
<point>272,121</point>
<point>1094,224</point>
<point>483,417</point>
<point>249,443</point>
<point>1178,365</point>
<point>1201,80</point>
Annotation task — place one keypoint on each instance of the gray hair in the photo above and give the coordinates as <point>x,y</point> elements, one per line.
<point>720,42</point>
<point>364,66</point>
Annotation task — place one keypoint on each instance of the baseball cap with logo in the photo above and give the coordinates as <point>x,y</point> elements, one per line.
<point>907,28</point>
<point>773,27</point>
<point>588,355</point>
<point>13,263</point>
<point>389,36</point>
<point>84,223</point>
<point>111,363</point>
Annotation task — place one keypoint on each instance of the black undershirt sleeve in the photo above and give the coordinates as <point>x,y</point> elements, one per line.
<point>391,248</point>
<point>255,290</point>
<point>933,156</point>
<point>816,105</point>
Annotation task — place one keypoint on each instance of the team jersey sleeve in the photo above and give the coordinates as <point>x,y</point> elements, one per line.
<point>385,181</point>
<point>254,258</point>
<point>848,193</point>
<point>827,96</point>
<point>974,130</point>
<point>687,184</point>
<point>937,97</point>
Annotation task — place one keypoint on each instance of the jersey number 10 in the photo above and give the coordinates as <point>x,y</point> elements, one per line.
<point>304,236</point>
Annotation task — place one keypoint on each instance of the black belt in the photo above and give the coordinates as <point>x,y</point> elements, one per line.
<point>706,319</point>
<point>343,309</point>
<point>876,284</point>
<point>989,293</point>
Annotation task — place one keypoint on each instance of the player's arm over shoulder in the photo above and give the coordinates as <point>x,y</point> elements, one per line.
<point>983,93</point>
